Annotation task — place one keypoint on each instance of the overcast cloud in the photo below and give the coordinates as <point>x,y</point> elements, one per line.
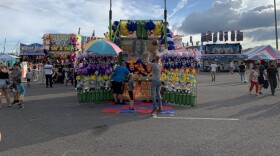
<point>227,16</point>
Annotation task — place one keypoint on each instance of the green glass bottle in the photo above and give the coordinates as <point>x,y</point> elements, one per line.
<point>193,98</point>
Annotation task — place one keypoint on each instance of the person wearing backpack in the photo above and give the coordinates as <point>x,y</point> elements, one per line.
<point>242,71</point>
<point>261,76</point>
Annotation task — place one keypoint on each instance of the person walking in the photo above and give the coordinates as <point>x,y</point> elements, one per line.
<point>213,70</point>
<point>28,77</point>
<point>48,69</point>
<point>272,73</point>
<point>4,78</point>
<point>156,83</point>
<point>15,76</point>
<point>261,76</point>
<point>242,71</point>
<point>254,80</point>
<point>231,67</point>
<point>118,79</point>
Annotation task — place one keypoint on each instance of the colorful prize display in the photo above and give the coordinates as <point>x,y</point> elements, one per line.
<point>136,39</point>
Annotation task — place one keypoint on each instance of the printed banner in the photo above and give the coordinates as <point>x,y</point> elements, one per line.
<point>31,49</point>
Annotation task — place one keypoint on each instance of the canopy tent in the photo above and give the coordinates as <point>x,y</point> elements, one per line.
<point>8,57</point>
<point>266,52</point>
<point>9,60</point>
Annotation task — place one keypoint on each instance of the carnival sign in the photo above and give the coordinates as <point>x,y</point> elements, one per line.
<point>61,42</point>
<point>31,49</point>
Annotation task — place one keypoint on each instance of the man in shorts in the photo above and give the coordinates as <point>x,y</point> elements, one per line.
<point>118,79</point>
<point>15,76</point>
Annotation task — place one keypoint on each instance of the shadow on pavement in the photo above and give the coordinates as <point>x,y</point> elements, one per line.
<point>46,119</point>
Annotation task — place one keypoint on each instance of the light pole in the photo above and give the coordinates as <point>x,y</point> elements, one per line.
<point>276,32</point>
<point>110,21</point>
<point>165,24</point>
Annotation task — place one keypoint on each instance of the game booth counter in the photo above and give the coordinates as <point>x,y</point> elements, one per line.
<point>178,73</point>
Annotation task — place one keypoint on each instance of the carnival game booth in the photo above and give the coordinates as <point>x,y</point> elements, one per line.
<point>95,68</point>
<point>61,51</point>
<point>223,54</point>
<point>61,48</point>
<point>136,38</point>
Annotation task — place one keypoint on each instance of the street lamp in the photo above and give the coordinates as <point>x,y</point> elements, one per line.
<point>276,33</point>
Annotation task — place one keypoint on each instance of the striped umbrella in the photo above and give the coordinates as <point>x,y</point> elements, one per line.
<point>103,47</point>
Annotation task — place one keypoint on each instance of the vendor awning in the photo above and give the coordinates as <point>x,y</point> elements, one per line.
<point>266,52</point>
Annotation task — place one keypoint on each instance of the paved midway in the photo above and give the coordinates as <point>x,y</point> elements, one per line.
<point>227,121</point>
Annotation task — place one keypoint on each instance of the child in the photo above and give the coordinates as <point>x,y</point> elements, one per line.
<point>254,79</point>
<point>28,77</point>
<point>20,93</point>
<point>130,91</point>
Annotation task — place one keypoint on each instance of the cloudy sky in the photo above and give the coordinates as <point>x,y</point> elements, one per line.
<point>26,21</point>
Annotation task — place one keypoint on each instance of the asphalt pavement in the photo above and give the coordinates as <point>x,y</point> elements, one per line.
<point>226,121</point>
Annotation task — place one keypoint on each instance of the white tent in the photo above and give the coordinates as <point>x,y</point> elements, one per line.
<point>9,60</point>
<point>8,57</point>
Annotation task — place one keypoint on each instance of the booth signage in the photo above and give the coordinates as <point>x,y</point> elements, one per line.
<point>31,49</point>
<point>61,42</point>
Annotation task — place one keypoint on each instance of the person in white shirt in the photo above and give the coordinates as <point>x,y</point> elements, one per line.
<point>213,70</point>
<point>48,69</point>
<point>231,66</point>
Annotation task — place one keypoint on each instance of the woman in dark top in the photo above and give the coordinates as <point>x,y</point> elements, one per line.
<point>4,77</point>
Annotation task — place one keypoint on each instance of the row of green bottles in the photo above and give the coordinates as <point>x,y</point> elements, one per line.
<point>94,96</point>
<point>179,98</point>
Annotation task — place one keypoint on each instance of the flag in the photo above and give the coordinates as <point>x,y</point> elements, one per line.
<point>79,31</point>
<point>191,41</point>
<point>209,36</point>
<point>215,37</point>
<point>233,35</point>
<point>203,37</point>
<point>239,35</point>
<point>221,35</point>
<point>226,36</point>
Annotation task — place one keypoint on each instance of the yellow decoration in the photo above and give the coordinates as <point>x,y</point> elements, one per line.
<point>163,77</point>
<point>123,29</point>
<point>158,28</point>
<point>79,77</point>
<point>92,77</point>
<point>185,77</point>
<point>174,77</point>
<point>105,77</point>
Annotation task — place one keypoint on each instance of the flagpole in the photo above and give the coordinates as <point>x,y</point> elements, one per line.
<point>276,32</point>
